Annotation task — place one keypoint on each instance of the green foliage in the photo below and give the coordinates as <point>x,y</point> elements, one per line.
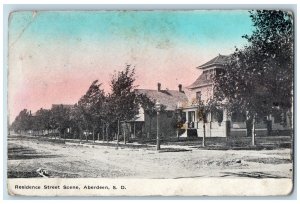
<point>89,111</point>
<point>258,79</point>
<point>41,120</point>
<point>23,121</point>
<point>123,97</point>
<point>77,120</point>
<point>60,117</point>
<point>178,120</point>
<point>147,104</point>
<point>202,111</point>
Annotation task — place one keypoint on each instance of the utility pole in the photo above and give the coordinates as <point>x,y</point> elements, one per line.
<point>157,107</point>
<point>253,130</point>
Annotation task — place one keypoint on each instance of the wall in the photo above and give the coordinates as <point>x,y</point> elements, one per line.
<point>166,125</point>
<point>212,129</point>
<point>206,92</point>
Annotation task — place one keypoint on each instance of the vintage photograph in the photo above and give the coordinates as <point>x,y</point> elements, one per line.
<point>162,95</point>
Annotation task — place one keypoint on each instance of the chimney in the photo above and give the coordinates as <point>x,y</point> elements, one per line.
<point>158,86</point>
<point>180,87</point>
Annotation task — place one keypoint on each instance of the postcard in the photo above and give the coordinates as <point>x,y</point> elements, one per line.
<point>150,103</point>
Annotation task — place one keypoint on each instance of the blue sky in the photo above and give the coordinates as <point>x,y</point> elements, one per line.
<point>200,27</point>
<point>54,56</point>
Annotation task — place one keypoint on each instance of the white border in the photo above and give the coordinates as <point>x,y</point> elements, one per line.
<point>113,3</point>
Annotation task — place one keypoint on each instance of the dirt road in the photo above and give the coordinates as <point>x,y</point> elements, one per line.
<point>71,160</point>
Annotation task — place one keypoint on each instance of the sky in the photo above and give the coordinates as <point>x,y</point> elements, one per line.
<point>55,55</point>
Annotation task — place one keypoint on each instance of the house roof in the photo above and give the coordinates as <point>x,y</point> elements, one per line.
<point>201,81</point>
<point>218,60</point>
<point>168,98</point>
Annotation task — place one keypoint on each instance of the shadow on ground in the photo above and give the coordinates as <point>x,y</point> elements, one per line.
<point>173,150</point>
<point>22,174</point>
<point>18,153</point>
<point>258,175</point>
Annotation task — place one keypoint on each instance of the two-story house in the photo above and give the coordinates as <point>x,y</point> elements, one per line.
<point>222,124</point>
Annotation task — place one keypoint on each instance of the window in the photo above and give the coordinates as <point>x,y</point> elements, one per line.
<point>191,119</point>
<point>217,116</point>
<point>191,115</point>
<point>198,95</point>
<point>183,117</point>
<point>238,117</point>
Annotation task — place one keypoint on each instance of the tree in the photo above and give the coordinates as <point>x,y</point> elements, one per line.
<point>177,122</point>
<point>109,116</point>
<point>258,79</point>
<point>123,96</point>
<point>60,117</point>
<point>42,120</point>
<point>202,112</point>
<point>77,121</point>
<point>91,106</point>
<point>272,42</point>
<point>149,107</point>
<point>23,121</point>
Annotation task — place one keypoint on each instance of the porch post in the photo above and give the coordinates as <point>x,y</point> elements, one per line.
<point>187,118</point>
<point>225,117</point>
<point>253,131</point>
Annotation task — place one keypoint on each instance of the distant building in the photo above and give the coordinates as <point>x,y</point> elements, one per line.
<point>63,105</point>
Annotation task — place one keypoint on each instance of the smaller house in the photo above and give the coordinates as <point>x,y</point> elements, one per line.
<point>144,124</point>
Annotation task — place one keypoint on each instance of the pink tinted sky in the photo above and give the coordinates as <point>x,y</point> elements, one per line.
<point>54,57</point>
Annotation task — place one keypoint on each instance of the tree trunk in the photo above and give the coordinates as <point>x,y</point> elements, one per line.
<point>253,131</point>
<point>128,131</point>
<point>94,135</point>
<point>150,127</point>
<point>124,135</point>
<point>204,135</point>
<point>134,130</point>
<point>107,126</point>
<point>103,133</point>
<point>124,138</point>
<point>177,133</point>
<point>157,133</point>
<point>98,136</point>
<point>118,133</point>
<point>80,135</point>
